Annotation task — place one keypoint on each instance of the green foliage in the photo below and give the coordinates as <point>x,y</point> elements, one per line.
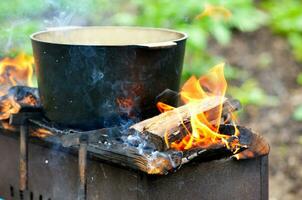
<point>299,78</point>
<point>181,15</point>
<point>297,115</point>
<point>300,140</point>
<point>251,93</point>
<point>286,19</point>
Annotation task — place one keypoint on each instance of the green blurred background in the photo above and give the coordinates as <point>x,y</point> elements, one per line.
<point>261,43</point>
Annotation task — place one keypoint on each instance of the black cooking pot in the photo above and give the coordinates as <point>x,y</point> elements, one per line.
<point>94,77</point>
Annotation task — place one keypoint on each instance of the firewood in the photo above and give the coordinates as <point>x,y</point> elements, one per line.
<point>17,98</point>
<point>255,145</point>
<point>250,145</point>
<point>171,124</point>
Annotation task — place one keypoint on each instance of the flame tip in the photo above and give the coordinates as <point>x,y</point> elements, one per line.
<point>205,125</point>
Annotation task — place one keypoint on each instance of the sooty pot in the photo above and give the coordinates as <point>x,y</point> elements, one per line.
<point>94,77</point>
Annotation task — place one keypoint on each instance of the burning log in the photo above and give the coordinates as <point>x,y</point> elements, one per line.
<point>257,146</point>
<point>172,125</point>
<point>18,97</point>
<point>251,145</point>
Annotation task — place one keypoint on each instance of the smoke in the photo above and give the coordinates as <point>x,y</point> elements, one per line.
<point>64,13</point>
<point>62,19</point>
<point>27,17</point>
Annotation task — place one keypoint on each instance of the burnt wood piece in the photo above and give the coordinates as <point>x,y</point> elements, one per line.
<point>167,96</point>
<point>255,144</point>
<point>257,147</point>
<point>107,145</point>
<point>19,97</point>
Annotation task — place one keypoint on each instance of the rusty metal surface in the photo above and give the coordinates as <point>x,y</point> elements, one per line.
<point>9,167</point>
<point>23,164</point>
<point>82,170</point>
<point>54,175</point>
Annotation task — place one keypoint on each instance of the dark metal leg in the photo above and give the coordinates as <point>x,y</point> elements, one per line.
<point>82,169</point>
<point>23,165</point>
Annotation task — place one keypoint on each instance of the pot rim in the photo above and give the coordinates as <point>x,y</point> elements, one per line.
<point>166,43</point>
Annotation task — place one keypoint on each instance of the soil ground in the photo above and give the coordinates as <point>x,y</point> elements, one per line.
<point>278,78</point>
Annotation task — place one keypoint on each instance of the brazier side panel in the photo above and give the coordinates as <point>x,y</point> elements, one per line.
<point>110,182</point>
<point>222,179</point>
<point>9,166</point>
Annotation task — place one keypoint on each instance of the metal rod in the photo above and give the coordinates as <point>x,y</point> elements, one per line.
<point>82,168</point>
<point>23,157</point>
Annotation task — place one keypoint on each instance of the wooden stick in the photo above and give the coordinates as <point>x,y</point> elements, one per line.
<point>168,124</point>
<point>166,121</point>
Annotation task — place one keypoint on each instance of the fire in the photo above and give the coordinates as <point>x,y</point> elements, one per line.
<point>41,133</point>
<point>16,71</point>
<point>7,107</point>
<point>125,104</point>
<point>204,130</point>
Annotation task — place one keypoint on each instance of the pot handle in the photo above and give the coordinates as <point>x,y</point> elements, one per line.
<point>158,45</point>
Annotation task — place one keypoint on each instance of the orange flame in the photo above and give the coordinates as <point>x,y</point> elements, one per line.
<point>162,107</point>
<point>205,130</point>
<point>41,133</point>
<point>16,71</point>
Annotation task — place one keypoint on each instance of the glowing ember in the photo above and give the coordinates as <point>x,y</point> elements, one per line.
<point>125,104</point>
<point>41,133</point>
<point>7,107</point>
<point>205,130</point>
<point>15,71</point>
